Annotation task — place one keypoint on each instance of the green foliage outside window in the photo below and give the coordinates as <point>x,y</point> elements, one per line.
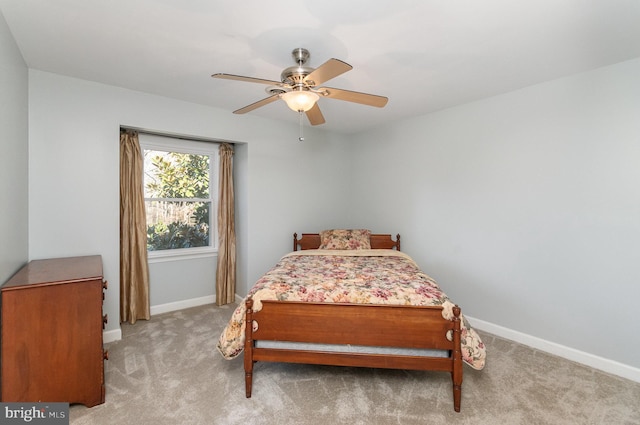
<point>176,235</point>
<point>177,192</point>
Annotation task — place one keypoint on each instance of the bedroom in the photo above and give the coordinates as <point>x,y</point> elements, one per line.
<point>524,195</point>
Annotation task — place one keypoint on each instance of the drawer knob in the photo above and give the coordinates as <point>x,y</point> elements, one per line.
<point>105,319</point>
<point>105,284</point>
<point>105,355</point>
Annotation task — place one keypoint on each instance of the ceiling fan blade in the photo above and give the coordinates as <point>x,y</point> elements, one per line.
<point>328,70</point>
<point>354,96</point>
<point>315,116</point>
<point>247,79</point>
<point>257,104</point>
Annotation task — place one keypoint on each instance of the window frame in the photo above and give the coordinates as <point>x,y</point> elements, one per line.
<point>188,146</point>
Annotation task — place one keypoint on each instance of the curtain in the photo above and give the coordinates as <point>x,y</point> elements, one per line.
<point>134,269</point>
<point>226,268</point>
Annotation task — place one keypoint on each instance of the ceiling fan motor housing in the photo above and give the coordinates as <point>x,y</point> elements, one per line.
<point>295,75</point>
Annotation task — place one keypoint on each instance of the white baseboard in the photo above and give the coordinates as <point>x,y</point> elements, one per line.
<point>110,336</point>
<point>596,362</point>
<point>181,305</point>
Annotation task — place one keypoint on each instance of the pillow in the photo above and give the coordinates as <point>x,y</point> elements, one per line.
<point>345,239</point>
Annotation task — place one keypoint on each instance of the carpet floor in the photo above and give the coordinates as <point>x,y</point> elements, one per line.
<point>167,371</point>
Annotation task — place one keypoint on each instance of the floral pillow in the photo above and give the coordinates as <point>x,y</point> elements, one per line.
<point>345,239</point>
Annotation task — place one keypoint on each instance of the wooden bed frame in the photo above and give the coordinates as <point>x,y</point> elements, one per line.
<point>355,324</point>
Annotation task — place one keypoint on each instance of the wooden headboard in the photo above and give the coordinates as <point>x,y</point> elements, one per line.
<point>378,241</point>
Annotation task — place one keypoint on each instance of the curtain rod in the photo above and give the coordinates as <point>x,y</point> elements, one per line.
<point>173,135</point>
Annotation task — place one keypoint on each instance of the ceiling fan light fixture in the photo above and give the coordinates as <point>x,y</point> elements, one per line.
<point>300,100</point>
<point>301,87</point>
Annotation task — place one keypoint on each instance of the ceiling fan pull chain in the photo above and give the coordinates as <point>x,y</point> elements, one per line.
<point>301,138</point>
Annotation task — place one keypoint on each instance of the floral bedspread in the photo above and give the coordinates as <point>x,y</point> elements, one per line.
<point>377,276</point>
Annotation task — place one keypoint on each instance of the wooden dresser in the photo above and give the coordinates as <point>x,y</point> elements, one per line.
<point>51,343</point>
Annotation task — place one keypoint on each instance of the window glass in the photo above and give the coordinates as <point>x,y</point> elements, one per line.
<point>178,196</point>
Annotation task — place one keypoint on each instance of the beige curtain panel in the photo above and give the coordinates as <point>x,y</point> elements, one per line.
<point>134,268</point>
<point>226,268</point>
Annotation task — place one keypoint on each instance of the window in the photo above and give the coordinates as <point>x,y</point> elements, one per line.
<point>180,180</point>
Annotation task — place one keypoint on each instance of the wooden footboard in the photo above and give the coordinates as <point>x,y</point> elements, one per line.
<point>354,324</point>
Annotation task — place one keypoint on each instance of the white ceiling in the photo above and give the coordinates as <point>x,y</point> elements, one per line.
<point>425,55</point>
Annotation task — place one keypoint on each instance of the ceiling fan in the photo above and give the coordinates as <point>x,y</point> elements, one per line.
<point>299,87</point>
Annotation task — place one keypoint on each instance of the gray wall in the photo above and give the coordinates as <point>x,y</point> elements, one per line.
<point>525,207</point>
<point>283,186</point>
<point>14,148</point>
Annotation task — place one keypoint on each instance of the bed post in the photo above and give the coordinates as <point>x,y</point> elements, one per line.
<point>456,373</point>
<point>295,241</point>
<point>248,348</point>
<point>398,242</point>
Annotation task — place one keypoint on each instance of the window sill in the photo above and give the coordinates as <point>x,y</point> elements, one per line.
<point>180,254</point>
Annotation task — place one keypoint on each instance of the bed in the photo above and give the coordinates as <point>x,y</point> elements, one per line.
<point>346,297</point>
